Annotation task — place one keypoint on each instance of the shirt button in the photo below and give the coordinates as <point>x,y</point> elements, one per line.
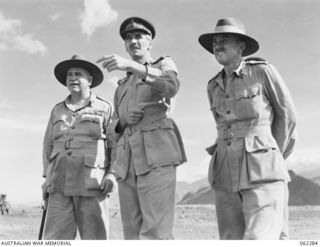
<point>72,127</point>
<point>227,96</point>
<point>228,111</point>
<point>229,143</point>
<point>74,114</point>
<point>69,153</point>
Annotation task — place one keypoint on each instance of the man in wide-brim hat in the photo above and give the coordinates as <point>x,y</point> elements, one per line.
<point>255,119</point>
<point>76,156</point>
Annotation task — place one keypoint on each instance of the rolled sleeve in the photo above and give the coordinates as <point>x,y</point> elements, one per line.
<point>284,121</point>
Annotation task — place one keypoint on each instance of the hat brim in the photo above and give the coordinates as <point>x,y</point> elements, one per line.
<point>60,71</point>
<point>206,40</point>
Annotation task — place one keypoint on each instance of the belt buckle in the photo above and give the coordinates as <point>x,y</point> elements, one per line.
<point>67,144</point>
<point>227,134</point>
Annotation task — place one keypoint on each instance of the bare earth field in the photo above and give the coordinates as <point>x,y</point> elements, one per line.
<point>196,222</point>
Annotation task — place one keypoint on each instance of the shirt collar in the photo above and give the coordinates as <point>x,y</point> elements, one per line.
<point>241,70</point>
<point>92,99</point>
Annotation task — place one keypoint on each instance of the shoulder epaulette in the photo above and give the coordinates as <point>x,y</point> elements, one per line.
<point>109,105</point>
<point>255,60</point>
<point>159,59</point>
<point>103,99</point>
<point>213,78</point>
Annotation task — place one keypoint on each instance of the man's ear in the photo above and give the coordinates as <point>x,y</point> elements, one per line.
<point>150,42</point>
<point>243,46</point>
<point>90,80</point>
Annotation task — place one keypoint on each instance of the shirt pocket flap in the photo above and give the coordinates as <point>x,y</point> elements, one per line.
<point>259,143</point>
<point>241,94</point>
<point>247,93</point>
<point>60,118</point>
<point>161,144</point>
<point>90,118</point>
<point>253,91</point>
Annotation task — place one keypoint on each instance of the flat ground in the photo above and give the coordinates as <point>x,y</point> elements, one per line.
<point>196,222</point>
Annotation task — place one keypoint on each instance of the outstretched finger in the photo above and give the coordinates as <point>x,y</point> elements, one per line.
<point>106,57</point>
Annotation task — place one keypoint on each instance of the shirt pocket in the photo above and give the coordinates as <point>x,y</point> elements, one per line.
<point>60,126</point>
<point>92,124</point>
<point>248,103</point>
<point>94,172</point>
<point>264,160</point>
<point>161,145</point>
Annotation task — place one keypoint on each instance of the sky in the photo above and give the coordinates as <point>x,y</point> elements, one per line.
<point>35,35</point>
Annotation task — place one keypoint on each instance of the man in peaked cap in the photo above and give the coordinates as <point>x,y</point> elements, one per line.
<point>76,156</point>
<point>255,119</point>
<point>148,145</point>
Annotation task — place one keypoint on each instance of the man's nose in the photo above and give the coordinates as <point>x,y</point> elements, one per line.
<point>72,77</point>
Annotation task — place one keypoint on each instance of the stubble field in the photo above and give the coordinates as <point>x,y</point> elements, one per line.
<point>192,222</point>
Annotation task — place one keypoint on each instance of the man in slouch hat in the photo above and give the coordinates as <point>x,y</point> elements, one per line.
<point>76,156</point>
<point>256,121</point>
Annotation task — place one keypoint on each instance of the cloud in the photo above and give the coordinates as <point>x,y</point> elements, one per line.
<point>11,37</point>
<point>97,13</point>
<point>29,45</point>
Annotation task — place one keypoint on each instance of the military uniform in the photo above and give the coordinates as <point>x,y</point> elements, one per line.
<point>147,153</point>
<point>256,121</point>
<point>76,158</point>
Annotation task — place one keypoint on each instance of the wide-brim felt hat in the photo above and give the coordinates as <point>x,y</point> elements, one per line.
<point>229,26</point>
<point>61,69</point>
<point>133,24</point>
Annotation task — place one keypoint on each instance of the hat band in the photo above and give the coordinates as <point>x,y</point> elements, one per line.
<point>229,29</point>
<point>135,26</point>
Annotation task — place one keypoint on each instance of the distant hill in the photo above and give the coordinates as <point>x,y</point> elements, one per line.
<point>312,174</point>
<point>302,192</point>
<point>183,188</point>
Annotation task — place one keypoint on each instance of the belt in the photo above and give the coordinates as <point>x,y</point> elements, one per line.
<point>70,143</point>
<point>227,134</point>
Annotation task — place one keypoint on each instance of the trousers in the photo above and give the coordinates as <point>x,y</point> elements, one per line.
<point>147,203</point>
<point>256,213</point>
<point>67,214</point>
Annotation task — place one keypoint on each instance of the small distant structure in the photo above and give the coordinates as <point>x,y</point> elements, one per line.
<point>4,205</point>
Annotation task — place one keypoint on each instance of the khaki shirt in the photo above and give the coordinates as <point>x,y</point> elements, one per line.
<point>256,121</point>
<point>155,140</point>
<point>75,148</point>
